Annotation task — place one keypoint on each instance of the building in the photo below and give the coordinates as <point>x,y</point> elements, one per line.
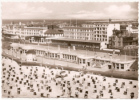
<point>122,38</point>
<point>124,41</point>
<point>92,61</point>
<point>79,44</point>
<point>44,36</point>
<point>132,28</point>
<point>31,56</point>
<point>32,34</point>
<point>79,33</point>
<point>94,31</point>
<point>61,25</point>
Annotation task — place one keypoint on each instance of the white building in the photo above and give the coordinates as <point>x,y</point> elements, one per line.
<point>79,33</point>
<point>96,31</point>
<point>132,29</point>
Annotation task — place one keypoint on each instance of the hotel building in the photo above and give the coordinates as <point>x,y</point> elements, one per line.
<point>94,31</point>
<point>32,34</point>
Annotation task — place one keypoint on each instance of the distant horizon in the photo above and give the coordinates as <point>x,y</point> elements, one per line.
<point>72,19</point>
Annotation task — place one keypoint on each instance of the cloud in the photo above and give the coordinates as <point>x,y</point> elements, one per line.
<point>86,14</point>
<point>23,10</point>
<point>123,11</point>
<point>123,8</point>
<point>112,11</point>
<point>69,10</point>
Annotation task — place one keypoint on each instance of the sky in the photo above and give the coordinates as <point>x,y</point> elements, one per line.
<point>69,10</point>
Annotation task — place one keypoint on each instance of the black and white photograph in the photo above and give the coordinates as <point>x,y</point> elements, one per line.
<point>80,50</point>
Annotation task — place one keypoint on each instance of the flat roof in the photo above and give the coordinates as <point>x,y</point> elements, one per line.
<point>115,58</point>
<point>77,40</point>
<point>34,28</point>
<point>85,28</point>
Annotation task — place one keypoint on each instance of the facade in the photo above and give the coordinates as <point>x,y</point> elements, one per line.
<point>132,29</point>
<point>45,36</point>
<point>79,33</point>
<point>94,31</point>
<point>31,56</point>
<point>85,61</point>
<point>80,44</point>
<point>32,34</point>
<point>121,38</point>
<point>61,25</point>
<point>33,31</point>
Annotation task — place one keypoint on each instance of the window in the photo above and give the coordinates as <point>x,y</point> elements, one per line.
<point>56,55</point>
<point>83,61</point>
<point>109,66</point>
<point>122,66</point>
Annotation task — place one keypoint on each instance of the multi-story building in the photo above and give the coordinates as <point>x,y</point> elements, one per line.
<point>95,31</point>
<point>32,34</point>
<point>79,33</point>
<point>33,31</point>
<point>121,38</point>
<point>132,29</point>
<point>63,25</point>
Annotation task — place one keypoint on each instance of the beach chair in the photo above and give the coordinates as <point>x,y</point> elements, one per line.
<point>134,86</point>
<point>132,95</point>
<point>34,93</point>
<point>130,82</point>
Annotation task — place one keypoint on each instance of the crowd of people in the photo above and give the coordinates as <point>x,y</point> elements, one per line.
<point>43,81</point>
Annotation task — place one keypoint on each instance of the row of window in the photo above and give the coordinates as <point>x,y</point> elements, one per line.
<point>69,57</point>
<point>88,30</point>
<point>86,25</point>
<point>91,36</point>
<point>33,30</point>
<point>83,34</point>
<point>87,38</point>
